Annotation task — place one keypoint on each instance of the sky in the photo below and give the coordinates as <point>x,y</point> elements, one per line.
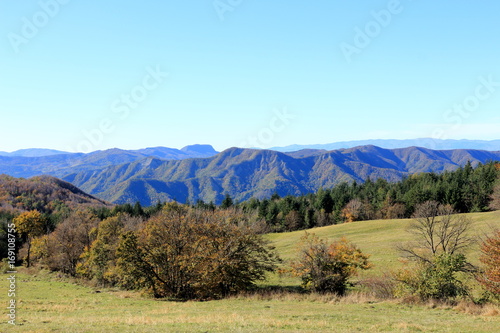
<point>92,75</point>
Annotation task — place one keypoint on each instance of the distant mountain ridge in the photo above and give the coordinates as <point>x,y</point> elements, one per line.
<point>21,164</point>
<point>199,172</point>
<point>246,173</point>
<point>33,152</point>
<point>436,144</point>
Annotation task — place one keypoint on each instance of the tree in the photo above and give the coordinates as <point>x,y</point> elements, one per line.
<point>30,225</point>
<point>495,197</point>
<point>227,202</point>
<point>293,220</point>
<point>324,201</point>
<point>66,244</point>
<point>441,236</point>
<point>353,210</point>
<point>438,230</point>
<point>187,254</point>
<point>490,277</point>
<point>327,267</point>
<point>99,260</point>
<point>137,210</point>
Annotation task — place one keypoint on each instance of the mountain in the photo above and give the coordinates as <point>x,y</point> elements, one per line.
<point>33,152</point>
<point>429,143</point>
<point>246,173</point>
<point>61,165</point>
<point>44,193</point>
<point>193,151</point>
<point>202,150</point>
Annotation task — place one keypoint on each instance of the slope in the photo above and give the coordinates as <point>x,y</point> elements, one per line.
<point>379,238</point>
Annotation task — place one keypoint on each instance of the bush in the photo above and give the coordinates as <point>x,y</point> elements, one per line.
<point>327,268</point>
<point>435,279</point>
<point>185,254</point>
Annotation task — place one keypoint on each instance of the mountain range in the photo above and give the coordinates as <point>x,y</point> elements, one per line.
<point>437,144</point>
<point>199,172</point>
<point>33,162</point>
<point>246,173</point>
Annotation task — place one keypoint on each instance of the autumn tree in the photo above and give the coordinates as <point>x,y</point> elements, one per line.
<point>189,254</point>
<point>495,197</point>
<point>352,210</point>
<point>66,244</point>
<point>490,258</point>
<point>30,225</point>
<point>98,261</point>
<point>327,267</point>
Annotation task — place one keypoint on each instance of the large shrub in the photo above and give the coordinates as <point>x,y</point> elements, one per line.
<point>327,267</point>
<point>435,279</point>
<point>188,254</point>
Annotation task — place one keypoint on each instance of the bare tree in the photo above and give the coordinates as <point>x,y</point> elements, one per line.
<point>495,197</point>
<point>352,210</point>
<point>438,229</point>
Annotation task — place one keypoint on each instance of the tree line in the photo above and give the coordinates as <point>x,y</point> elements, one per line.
<point>466,190</point>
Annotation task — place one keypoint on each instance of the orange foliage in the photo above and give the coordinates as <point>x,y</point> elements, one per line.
<point>490,249</point>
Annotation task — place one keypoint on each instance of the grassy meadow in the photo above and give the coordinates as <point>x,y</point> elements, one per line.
<point>51,303</point>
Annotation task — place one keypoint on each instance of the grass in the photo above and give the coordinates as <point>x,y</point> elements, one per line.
<point>379,238</point>
<point>48,303</point>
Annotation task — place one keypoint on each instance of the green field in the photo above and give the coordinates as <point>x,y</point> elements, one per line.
<point>48,303</point>
<point>379,238</point>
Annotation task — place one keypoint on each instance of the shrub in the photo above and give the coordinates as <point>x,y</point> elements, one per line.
<point>435,279</point>
<point>327,267</point>
<point>185,254</point>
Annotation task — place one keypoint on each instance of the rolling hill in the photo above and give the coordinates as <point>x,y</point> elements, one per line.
<point>246,173</point>
<point>380,238</point>
<point>44,193</point>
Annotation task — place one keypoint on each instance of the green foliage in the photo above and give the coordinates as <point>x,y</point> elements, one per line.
<point>99,260</point>
<point>435,279</point>
<point>441,236</point>
<point>227,202</point>
<point>465,190</point>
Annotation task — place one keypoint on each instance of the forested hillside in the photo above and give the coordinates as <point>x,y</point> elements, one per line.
<point>248,173</point>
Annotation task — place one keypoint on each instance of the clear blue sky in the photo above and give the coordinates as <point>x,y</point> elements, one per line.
<point>337,70</point>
